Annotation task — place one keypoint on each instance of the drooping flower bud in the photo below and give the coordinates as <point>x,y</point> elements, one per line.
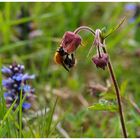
<point>100,62</point>
<point>70,42</point>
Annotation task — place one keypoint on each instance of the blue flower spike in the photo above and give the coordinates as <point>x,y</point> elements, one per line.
<point>15,83</point>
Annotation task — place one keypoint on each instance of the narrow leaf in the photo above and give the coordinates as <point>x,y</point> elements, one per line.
<point>51,117</point>
<point>103,107</point>
<point>115,28</point>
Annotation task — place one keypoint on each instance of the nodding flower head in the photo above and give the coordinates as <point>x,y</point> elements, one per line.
<point>70,42</point>
<point>15,83</point>
<point>101,58</point>
<point>100,62</point>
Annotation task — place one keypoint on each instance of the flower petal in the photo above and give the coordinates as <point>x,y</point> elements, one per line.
<point>18,77</point>
<point>27,88</point>
<point>6,70</point>
<point>7,83</point>
<point>6,95</point>
<point>27,77</point>
<point>26,105</point>
<point>130,7</point>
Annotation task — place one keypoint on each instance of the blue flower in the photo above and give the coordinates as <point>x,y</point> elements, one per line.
<point>131,20</point>
<point>26,105</point>
<point>6,95</point>
<point>17,77</point>
<point>14,83</point>
<point>27,88</point>
<point>6,70</point>
<point>8,83</point>
<point>130,7</point>
<point>135,11</point>
<point>27,77</point>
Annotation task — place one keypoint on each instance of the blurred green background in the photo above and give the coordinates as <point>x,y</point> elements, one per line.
<point>84,85</point>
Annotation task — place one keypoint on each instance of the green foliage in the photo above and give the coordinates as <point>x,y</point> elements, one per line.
<point>114,29</point>
<point>104,106</point>
<point>50,117</point>
<point>108,95</point>
<point>53,19</point>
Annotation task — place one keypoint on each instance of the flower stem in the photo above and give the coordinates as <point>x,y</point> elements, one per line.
<point>99,52</point>
<point>113,79</point>
<point>84,28</point>
<point>118,95</point>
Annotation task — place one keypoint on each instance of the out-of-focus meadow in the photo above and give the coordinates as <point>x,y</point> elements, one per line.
<point>32,39</point>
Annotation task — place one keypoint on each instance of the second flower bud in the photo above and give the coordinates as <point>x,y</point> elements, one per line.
<point>100,62</point>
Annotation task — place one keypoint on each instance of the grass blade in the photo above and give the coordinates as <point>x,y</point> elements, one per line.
<point>51,117</point>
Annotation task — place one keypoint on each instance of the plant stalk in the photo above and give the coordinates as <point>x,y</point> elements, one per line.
<point>84,28</point>
<point>113,79</point>
<point>117,94</point>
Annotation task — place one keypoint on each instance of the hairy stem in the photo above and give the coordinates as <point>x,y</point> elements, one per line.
<point>118,95</point>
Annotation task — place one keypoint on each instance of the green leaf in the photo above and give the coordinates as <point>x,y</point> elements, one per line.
<point>7,114</point>
<point>50,118</point>
<point>104,30</point>
<point>137,34</point>
<point>57,122</point>
<point>104,107</point>
<point>115,28</point>
<point>27,19</point>
<point>108,95</point>
<point>123,88</point>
